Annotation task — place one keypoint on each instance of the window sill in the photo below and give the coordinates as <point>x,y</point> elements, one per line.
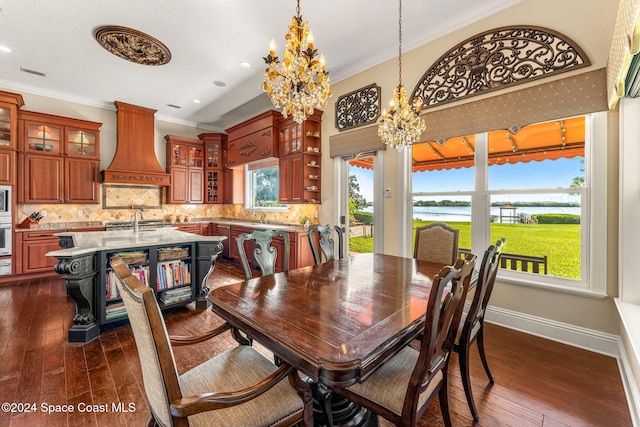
<point>516,279</point>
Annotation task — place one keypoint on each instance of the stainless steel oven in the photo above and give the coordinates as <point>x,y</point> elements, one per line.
<point>5,237</point>
<point>5,201</point>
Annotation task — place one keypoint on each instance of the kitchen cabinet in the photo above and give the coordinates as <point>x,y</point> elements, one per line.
<point>34,246</point>
<point>253,139</point>
<point>9,106</point>
<point>185,163</point>
<point>213,165</point>
<point>58,159</point>
<point>7,167</point>
<point>10,103</point>
<point>300,160</point>
<point>300,254</point>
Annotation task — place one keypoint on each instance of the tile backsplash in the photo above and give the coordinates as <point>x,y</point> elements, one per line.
<point>136,196</point>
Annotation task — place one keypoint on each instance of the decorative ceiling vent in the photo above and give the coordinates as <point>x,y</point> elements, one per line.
<point>132,45</point>
<point>497,59</point>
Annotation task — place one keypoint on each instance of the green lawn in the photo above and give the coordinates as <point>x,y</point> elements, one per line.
<point>559,242</point>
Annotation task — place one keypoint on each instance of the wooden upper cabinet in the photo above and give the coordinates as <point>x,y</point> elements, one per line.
<point>7,167</point>
<point>185,163</point>
<point>43,179</point>
<point>59,159</point>
<point>296,138</point>
<point>9,105</point>
<point>55,135</point>
<point>253,139</point>
<point>213,165</point>
<point>81,181</point>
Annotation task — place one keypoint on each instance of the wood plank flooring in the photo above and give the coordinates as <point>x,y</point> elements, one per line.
<point>537,382</point>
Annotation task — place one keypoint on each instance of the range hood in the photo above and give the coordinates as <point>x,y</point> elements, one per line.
<point>135,161</point>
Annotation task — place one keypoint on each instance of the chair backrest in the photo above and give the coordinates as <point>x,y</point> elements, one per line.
<point>436,242</point>
<point>159,372</point>
<point>484,287</point>
<point>264,253</point>
<point>444,310</point>
<point>325,242</point>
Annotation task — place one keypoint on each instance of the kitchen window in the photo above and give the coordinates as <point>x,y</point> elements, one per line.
<point>541,188</point>
<point>262,184</point>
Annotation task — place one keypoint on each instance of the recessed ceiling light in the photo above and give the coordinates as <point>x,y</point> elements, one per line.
<point>196,101</point>
<point>219,83</point>
<point>245,64</point>
<point>5,49</point>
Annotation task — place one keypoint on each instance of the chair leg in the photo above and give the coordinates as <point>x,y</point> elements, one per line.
<point>444,401</point>
<point>463,358</point>
<point>151,422</point>
<point>480,342</point>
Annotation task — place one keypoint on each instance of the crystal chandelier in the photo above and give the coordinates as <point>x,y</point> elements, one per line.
<point>299,83</point>
<point>401,125</point>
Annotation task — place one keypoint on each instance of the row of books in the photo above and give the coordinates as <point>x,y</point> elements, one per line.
<point>176,295</point>
<point>142,273</point>
<point>115,310</point>
<point>173,274</point>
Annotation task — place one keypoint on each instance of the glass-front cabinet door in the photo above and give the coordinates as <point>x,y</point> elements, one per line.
<point>213,155</point>
<point>81,143</point>
<point>9,106</point>
<point>196,157</point>
<point>44,138</point>
<point>6,129</point>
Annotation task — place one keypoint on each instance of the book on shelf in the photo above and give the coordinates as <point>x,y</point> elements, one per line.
<point>172,274</point>
<point>176,295</point>
<point>141,272</point>
<point>115,310</point>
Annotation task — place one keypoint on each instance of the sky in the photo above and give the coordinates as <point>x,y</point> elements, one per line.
<point>544,174</point>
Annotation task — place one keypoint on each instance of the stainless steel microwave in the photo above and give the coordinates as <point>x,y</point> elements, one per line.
<point>5,201</point>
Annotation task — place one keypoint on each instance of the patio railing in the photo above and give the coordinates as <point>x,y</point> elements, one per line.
<point>519,262</point>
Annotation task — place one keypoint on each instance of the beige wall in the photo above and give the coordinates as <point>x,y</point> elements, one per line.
<point>590,25</point>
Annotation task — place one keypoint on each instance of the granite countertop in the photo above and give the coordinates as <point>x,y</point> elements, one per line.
<point>94,241</point>
<point>53,226</point>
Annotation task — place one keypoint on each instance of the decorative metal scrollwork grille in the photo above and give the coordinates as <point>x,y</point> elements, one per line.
<point>496,59</point>
<point>358,108</point>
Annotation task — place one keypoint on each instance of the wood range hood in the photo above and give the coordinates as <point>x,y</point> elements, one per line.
<point>135,161</point>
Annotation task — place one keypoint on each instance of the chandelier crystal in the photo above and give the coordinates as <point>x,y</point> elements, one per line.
<point>402,125</point>
<point>299,83</point>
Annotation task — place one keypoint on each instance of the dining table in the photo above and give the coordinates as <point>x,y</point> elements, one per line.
<point>336,322</point>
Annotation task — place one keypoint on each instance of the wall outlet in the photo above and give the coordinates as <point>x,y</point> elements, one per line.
<point>294,214</point>
<point>79,212</point>
<point>43,213</point>
<point>387,193</point>
<point>316,214</point>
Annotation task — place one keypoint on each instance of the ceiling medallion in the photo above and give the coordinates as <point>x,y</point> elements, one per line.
<point>132,45</point>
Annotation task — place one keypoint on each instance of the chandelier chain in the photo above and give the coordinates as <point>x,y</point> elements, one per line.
<point>400,42</point>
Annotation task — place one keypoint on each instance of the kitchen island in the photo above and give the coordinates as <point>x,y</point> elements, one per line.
<point>175,264</point>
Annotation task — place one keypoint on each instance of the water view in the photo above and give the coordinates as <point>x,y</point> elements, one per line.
<point>463,213</point>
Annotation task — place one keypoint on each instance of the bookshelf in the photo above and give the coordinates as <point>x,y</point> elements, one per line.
<point>167,269</point>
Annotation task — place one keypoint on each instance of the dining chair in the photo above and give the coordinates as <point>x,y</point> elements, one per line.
<point>471,326</point>
<point>436,242</point>
<point>326,243</point>
<point>237,387</point>
<point>264,252</point>
<point>404,386</point>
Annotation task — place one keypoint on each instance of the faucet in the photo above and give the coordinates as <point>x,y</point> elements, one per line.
<point>135,220</point>
<point>261,216</point>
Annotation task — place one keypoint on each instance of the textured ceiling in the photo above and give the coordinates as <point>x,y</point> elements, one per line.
<point>208,39</point>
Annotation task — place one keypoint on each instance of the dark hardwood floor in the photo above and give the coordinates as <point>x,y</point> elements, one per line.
<point>537,382</point>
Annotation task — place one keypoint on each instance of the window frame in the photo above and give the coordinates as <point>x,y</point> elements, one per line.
<point>593,281</point>
<point>249,190</point>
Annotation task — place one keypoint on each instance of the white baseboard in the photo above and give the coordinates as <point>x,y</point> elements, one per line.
<point>565,333</point>
<point>630,386</point>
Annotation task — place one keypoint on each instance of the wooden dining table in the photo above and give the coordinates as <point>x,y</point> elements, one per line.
<point>335,322</point>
